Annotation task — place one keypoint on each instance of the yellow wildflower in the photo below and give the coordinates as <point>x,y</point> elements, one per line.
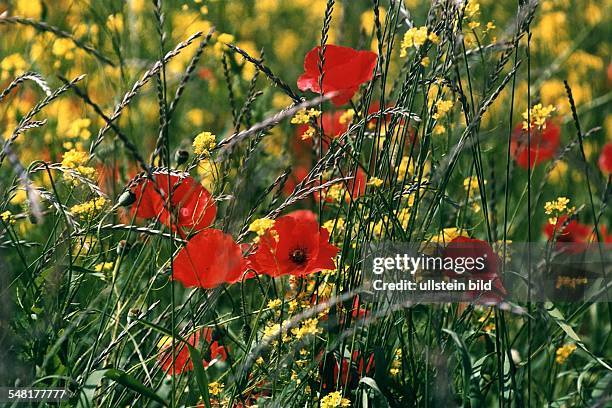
<point>89,209</point>
<point>335,400</point>
<point>375,182</point>
<point>442,107</point>
<point>203,143</point>
<point>303,116</point>
<point>308,327</point>
<point>414,37</point>
<point>222,39</point>
<point>274,303</point>
<point>563,353</point>
<point>80,128</point>
<point>347,116</point>
<point>7,217</point>
<point>104,266</point>
<point>308,133</point>
<point>77,160</point>
<point>339,223</point>
<point>538,115</point>
<point>261,225</point>
<point>448,234</point>
<point>114,22</point>
<point>215,388</point>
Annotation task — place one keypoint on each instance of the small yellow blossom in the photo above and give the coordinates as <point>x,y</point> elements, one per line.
<point>274,303</point>
<point>556,208</point>
<point>439,129</point>
<point>375,182</point>
<point>448,234</point>
<point>222,39</point>
<point>442,107</point>
<point>303,116</point>
<point>114,22</point>
<point>308,327</point>
<point>347,116</point>
<point>7,217</point>
<point>80,128</point>
<point>261,225</point>
<point>77,160</point>
<point>338,223</point>
<point>204,143</point>
<point>104,266</point>
<point>425,61</point>
<point>90,208</point>
<point>563,353</point>
<point>335,400</point>
<point>215,388</point>
<point>63,47</point>
<point>414,37</point>
<point>538,115</point>
<point>308,133</point>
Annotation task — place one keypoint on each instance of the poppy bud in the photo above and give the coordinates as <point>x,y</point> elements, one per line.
<point>181,156</point>
<point>127,198</point>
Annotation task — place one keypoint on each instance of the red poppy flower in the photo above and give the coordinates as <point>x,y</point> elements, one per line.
<point>202,340</point>
<point>209,259</point>
<point>192,205</point>
<point>344,70</point>
<point>605,159</point>
<point>569,232</point>
<point>296,245</point>
<point>544,144</point>
<point>468,248</point>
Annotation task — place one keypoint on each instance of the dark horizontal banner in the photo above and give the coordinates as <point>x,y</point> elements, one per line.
<point>479,272</point>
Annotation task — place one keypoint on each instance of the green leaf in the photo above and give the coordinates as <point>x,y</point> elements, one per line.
<point>133,384</point>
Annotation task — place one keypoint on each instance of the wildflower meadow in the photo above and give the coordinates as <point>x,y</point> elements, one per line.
<point>195,196</point>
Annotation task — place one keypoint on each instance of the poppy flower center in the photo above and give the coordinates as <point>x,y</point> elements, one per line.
<point>298,256</point>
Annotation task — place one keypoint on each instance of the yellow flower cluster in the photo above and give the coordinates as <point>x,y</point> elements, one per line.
<point>347,116</point>
<point>275,303</point>
<point>89,209</point>
<point>114,22</point>
<point>77,160</point>
<point>564,352</point>
<point>80,129</point>
<point>375,182</point>
<point>7,217</point>
<point>538,115</point>
<point>335,400</point>
<point>104,266</point>
<point>308,327</point>
<point>204,143</point>
<point>222,39</point>
<point>303,116</point>
<point>442,108</point>
<point>448,234</point>
<point>569,282</point>
<point>13,64</point>
<point>63,48</point>
<point>215,388</point>
<point>261,225</point>
<point>396,363</point>
<point>416,37</point>
<point>557,207</point>
<point>339,223</point>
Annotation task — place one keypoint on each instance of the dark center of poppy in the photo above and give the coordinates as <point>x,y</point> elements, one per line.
<point>298,256</point>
